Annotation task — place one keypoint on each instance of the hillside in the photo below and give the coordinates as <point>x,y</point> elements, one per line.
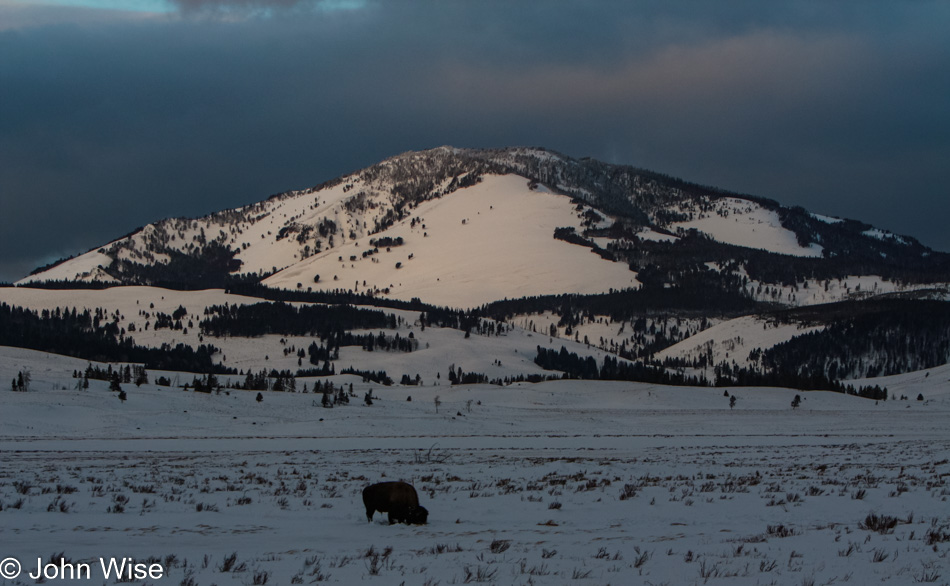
<point>473,246</point>
<point>136,313</point>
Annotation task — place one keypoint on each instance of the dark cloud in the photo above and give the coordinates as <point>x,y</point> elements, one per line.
<point>108,125</point>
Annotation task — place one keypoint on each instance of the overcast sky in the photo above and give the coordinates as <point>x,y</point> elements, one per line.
<point>117,113</point>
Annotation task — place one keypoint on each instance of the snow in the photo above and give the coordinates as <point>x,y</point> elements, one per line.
<point>826,219</point>
<point>817,291</point>
<point>745,223</point>
<point>559,482</point>
<point>261,252</point>
<point>479,244</point>
<point>85,267</point>
<point>653,235</point>
<point>513,257</point>
<point>731,341</point>
<point>929,383</point>
<point>523,483</point>
<point>602,332</point>
<point>252,230</point>
<point>884,235</point>
<point>507,355</point>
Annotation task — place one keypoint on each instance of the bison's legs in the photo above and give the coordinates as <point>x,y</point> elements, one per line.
<point>369,514</point>
<point>399,515</point>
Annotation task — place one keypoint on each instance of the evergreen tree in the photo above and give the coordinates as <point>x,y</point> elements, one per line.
<point>141,376</point>
<point>341,397</point>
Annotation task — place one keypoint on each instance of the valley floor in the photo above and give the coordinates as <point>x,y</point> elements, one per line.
<point>555,483</point>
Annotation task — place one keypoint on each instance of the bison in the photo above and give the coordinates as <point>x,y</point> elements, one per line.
<point>399,499</point>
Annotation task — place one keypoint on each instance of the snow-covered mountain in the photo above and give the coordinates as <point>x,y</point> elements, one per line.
<point>462,227</point>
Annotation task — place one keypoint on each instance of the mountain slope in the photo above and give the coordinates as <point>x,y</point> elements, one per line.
<point>475,245</point>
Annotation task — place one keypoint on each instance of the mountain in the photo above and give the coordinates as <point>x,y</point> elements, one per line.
<point>474,226</point>
<point>682,280</point>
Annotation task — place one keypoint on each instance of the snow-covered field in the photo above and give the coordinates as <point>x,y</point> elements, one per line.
<point>555,483</point>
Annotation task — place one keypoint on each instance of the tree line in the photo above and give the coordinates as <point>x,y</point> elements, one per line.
<point>321,321</point>
<point>586,367</point>
<point>73,333</point>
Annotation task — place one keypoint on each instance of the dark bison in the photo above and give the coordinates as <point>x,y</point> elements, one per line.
<point>399,499</point>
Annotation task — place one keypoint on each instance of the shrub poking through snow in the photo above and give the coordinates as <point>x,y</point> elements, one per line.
<point>882,524</point>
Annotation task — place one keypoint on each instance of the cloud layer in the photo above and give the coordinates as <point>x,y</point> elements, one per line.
<point>112,122</point>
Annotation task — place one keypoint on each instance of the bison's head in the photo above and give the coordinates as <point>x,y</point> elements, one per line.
<point>418,516</point>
